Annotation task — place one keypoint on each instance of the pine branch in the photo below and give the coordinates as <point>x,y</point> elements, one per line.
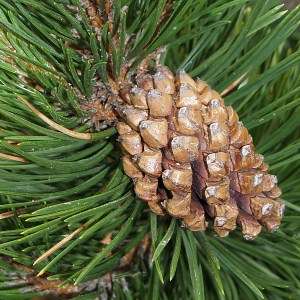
<point>61,196</point>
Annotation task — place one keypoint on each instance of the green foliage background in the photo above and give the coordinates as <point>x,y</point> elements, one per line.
<point>68,183</point>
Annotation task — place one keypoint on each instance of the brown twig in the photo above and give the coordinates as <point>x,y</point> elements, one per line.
<point>165,13</point>
<point>57,246</point>
<point>53,288</point>
<point>107,239</point>
<point>14,158</point>
<point>77,135</point>
<point>10,214</point>
<point>233,85</point>
<point>43,285</point>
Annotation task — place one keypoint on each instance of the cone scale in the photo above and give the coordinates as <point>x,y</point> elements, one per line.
<point>190,157</point>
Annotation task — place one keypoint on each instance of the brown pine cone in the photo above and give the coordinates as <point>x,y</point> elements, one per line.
<point>189,156</point>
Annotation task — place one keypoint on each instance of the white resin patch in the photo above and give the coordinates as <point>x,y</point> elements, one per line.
<point>266,209</point>
<point>220,221</point>
<point>258,178</point>
<point>246,150</point>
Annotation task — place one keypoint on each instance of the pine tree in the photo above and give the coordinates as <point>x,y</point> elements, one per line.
<point>72,224</point>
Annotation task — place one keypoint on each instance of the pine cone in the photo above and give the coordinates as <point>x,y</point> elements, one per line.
<point>189,156</point>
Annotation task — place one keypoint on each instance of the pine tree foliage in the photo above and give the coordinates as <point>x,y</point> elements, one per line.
<point>67,210</point>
